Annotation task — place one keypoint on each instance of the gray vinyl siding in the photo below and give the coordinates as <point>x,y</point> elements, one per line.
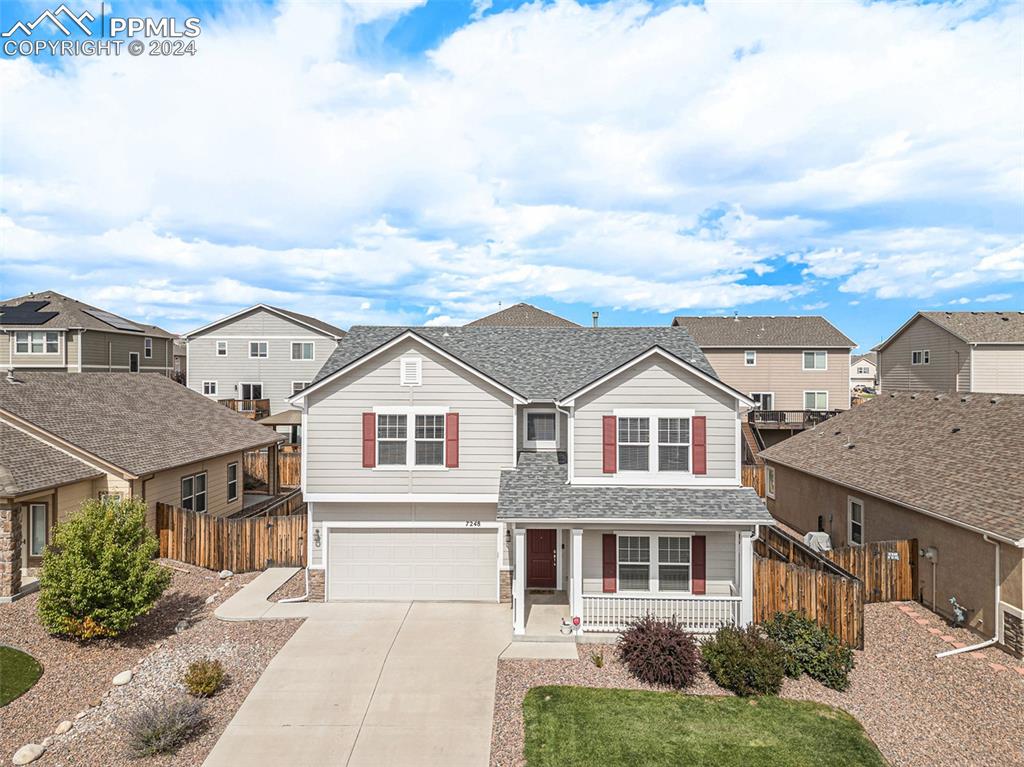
<point>720,554</point>
<point>656,383</point>
<point>999,368</point>
<point>397,512</point>
<point>108,352</point>
<point>333,451</point>
<point>949,367</point>
<point>276,372</point>
<point>780,371</point>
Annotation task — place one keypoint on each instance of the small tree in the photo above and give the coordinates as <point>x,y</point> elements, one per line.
<point>98,573</point>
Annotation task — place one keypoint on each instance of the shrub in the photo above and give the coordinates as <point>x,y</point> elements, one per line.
<point>811,649</point>
<point>163,727</point>
<point>745,661</point>
<point>203,677</point>
<point>597,658</point>
<point>659,652</point>
<point>98,573</point>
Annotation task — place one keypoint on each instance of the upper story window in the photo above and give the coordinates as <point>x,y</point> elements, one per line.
<point>302,350</point>
<point>863,371</point>
<point>222,348</point>
<point>430,440</point>
<point>634,444</point>
<point>668,452</point>
<point>148,348</point>
<point>541,429</point>
<point>750,358</point>
<point>392,440</point>
<point>210,388</point>
<point>36,342</point>
<point>258,350</point>
<point>411,371</point>
<point>815,361</point>
<point>673,444</point>
<point>922,357</point>
<point>398,445</point>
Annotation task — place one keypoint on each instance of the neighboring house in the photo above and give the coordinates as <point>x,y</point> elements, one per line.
<point>48,331</point>
<point>66,437</point>
<point>482,463</point>
<point>180,371</point>
<point>255,359</point>
<point>523,316</point>
<point>955,351</point>
<point>863,371</point>
<point>942,468</point>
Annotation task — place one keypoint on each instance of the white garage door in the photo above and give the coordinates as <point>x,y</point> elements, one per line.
<point>406,564</point>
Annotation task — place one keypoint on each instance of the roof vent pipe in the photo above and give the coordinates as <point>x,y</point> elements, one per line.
<point>594,316</point>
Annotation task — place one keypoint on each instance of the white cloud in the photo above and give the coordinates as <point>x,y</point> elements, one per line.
<point>816,306</point>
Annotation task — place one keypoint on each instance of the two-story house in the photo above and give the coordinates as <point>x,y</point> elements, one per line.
<point>863,371</point>
<point>51,332</point>
<point>955,351</point>
<point>490,463</point>
<point>256,359</point>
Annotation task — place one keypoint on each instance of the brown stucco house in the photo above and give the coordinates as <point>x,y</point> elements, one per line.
<point>955,351</point>
<point>942,468</point>
<point>68,437</point>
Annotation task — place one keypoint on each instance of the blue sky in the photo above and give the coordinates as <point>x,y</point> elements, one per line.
<point>415,162</point>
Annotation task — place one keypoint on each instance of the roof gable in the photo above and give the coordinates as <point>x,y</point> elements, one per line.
<point>59,312</point>
<point>310,323</point>
<point>970,327</point>
<point>28,464</point>
<point>763,331</point>
<point>523,315</point>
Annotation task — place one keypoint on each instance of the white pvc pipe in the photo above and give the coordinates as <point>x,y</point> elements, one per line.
<point>993,640</point>
<point>959,650</point>
<point>304,597</point>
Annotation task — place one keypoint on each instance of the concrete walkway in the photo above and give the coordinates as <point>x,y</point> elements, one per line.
<point>368,684</point>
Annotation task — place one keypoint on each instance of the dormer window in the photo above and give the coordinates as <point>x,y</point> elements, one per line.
<point>411,371</point>
<point>541,429</point>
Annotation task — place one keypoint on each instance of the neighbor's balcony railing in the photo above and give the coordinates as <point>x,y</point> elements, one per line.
<point>698,614</point>
<point>795,419</point>
<point>250,408</point>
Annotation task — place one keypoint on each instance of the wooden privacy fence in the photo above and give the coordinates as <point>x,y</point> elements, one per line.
<point>289,467</point>
<point>752,475</point>
<point>888,569</point>
<point>833,601</point>
<point>239,545</point>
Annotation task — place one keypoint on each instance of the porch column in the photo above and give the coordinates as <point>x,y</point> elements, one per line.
<point>10,550</point>
<point>519,582</point>
<point>746,577</point>
<point>576,577</point>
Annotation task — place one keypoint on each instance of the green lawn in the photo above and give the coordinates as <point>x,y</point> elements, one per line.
<point>18,672</point>
<point>568,726</point>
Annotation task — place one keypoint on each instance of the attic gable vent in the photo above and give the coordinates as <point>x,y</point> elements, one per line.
<point>411,371</point>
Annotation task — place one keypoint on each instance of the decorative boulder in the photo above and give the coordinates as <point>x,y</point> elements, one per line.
<point>28,753</point>
<point>123,678</point>
<point>225,574</point>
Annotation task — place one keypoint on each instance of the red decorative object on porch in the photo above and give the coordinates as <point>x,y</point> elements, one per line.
<point>700,444</point>
<point>369,440</point>
<point>608,569</point>
<point>451,440</point>
<point>608,443</point>
<point>698,558</point>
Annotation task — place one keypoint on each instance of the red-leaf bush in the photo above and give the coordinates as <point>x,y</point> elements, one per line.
<point>659,652</point>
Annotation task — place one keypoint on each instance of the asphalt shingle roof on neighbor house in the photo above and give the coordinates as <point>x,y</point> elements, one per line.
<point>761,332</point>
<point>523,316</point>
<point>71,313</point>
<point>327,327</point>
<point>957,456</point>
<point>871,357</point>
<point>537,489</point>
<point>33,465</point>
<point>982,327</point>
<point>538,363</point>
<point>139,422</point>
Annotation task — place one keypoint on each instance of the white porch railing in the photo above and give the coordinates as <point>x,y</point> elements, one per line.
<point>700,615</point>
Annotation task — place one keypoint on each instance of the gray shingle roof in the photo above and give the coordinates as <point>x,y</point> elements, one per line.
<point>871,357</point>
<point>754,332</point>
<point>72,313</point>
<point>140,422</point>
<point>33,465</point>
<point>523,316</point>
<point>327,327</point>
<point>982,327</point>
<point>536,489</point>
<point>905,449</point>
<point>538,363</point>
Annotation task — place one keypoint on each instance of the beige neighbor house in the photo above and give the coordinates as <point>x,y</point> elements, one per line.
<point>51,332</point>
<point>955,351</point>
<point>863,371</point>
<point>523,316</point>
<point>592,472</point>
<point>939,467</point>
<point>66,437</point>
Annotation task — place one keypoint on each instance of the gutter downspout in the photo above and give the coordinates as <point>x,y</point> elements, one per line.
<point>568,441</point>
<point>304,597</point>
<point>995,615</point>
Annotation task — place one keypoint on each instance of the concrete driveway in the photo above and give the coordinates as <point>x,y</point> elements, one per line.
<point>371,684</point>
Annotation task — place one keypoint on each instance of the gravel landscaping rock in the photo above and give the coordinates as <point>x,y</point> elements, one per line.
<point>122,679</point>
<point>63,727</point>
<point>28,753</point>
<point>296,586</point>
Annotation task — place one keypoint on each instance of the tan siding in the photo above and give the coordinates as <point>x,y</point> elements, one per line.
<point>947,370</point>
<point>109,352</point>
<point>165,486</point>
<point>999,368</point>
<point>334,428</point>
<point>71,497</point>
<point>656,383</point>
<point>780,371</point>
<point>44,361</point>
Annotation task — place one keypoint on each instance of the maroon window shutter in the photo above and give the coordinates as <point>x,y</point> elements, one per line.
<point>698,557</point>
<point>369,440</point>
<point>451,440</point>
<point>608,570</point>
<point>609,444</point>
<point>700,444</point>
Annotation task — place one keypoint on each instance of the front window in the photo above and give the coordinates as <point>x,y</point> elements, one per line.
<point>749,358</point>
<point>634,444</point>
<point>37,534</point>
<point>210,388</point>
<point>856,517</point>
<point>673,563</point>
<point>392,439</point>
<point>815,400</point>
<point>815,361</point>
<point>634,563</point>
<point>193,492</point>
<point>302,350</point>
<point>430,440</point>
<point>258,349</point>
<point>541,429</point>
<point>148,348</point>
<point>36,342</point>
<point>232,481</point>
<point>222,348</point>
<point>673,444</point>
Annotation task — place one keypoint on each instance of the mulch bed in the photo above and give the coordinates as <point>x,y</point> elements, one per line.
<point>77,676</point>
<point>918,710</point>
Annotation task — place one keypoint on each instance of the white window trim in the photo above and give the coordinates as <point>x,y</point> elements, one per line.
<point>258,356</point>
<point>541,444</point>
<point>147,348</point>
<point>763,393</point>
<point>803,360</point>
<point>652,563</point>
<point>769,481</point>
<point>850,500</point>
<point>31,526</point>
<point>105,494</point>
<point>43,353</point>
<point>205,493</point>
<point>926,357</point>
<point>652,472</point>
<point>138,363</point>
<point>311,344</point>
<point>415,380</point>
<point>296,391</point>
<point>816,391</point>
<point>751,363</point>
<point>410,414</point>
<point>212,393</point>
<point>217,348</point>
<point>229,482</point>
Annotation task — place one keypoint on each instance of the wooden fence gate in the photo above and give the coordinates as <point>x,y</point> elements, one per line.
<point>888,569</point>
<point>289,466</point>
<point>239,545</point>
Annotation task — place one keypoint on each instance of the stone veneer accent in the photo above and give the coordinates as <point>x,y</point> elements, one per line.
<point>10,551</point>
<point>1013,633</point>
<point>505,583</point>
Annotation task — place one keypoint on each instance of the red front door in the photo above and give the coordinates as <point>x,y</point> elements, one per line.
<point>540,559</point>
